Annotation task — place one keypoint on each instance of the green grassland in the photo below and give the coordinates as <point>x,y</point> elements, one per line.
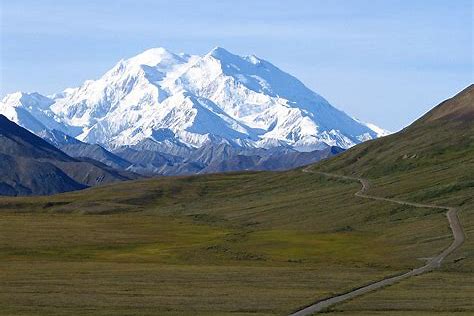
<point>435,293</point>
<point>238,244</point>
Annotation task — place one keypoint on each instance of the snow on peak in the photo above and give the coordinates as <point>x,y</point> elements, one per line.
<point>254,59</point>
<point>30,110</point>
<point>220,53</point>
<point>156,56</point>
<point>217,97</point>
<point>378,130</point>
<point>28,100</point>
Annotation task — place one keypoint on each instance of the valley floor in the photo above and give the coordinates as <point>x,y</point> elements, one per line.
<point>235,244</point>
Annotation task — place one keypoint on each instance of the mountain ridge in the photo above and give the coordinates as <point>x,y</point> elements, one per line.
<point>218,97</point>
<point>445,129</point>
<point>30,165</point>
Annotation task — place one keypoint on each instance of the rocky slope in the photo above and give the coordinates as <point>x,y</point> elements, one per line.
<point>31,166</point>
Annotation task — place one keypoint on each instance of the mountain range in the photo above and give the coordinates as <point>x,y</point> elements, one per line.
<point>31,166</point>
<point>157,111</point>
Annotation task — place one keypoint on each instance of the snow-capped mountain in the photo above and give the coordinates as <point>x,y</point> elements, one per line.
<point>184,100</point>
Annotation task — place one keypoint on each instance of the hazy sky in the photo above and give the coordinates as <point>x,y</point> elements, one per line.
<point>385,62</point>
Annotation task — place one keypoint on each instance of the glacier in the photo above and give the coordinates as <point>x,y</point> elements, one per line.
<point>189,101</point>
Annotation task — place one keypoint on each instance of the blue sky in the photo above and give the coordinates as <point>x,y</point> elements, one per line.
<point>385,62</point>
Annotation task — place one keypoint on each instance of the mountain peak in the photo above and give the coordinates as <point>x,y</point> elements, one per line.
<point>226,56</point>
<point>13,98</point>
<point>155,56</point>
<point>20,98</point>
<point>221,53</point>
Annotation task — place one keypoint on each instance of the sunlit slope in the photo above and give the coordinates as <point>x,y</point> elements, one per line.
<point>430,161</point>
<point>443,139</point>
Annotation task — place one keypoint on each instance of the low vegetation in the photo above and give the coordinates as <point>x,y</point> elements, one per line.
<point>239,243</point>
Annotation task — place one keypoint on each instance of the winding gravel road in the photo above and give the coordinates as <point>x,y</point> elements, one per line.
<point>433,263</point>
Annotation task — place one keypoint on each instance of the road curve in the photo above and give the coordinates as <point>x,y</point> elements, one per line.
<point>433,263</point>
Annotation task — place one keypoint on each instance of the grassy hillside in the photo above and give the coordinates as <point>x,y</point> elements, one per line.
<point>431,161</point>
<point>249,243</point>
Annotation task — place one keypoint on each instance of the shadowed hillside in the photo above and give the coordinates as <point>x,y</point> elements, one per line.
<point>31,166</point>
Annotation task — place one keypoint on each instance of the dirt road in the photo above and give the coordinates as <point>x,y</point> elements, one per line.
<point>433,263</point>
